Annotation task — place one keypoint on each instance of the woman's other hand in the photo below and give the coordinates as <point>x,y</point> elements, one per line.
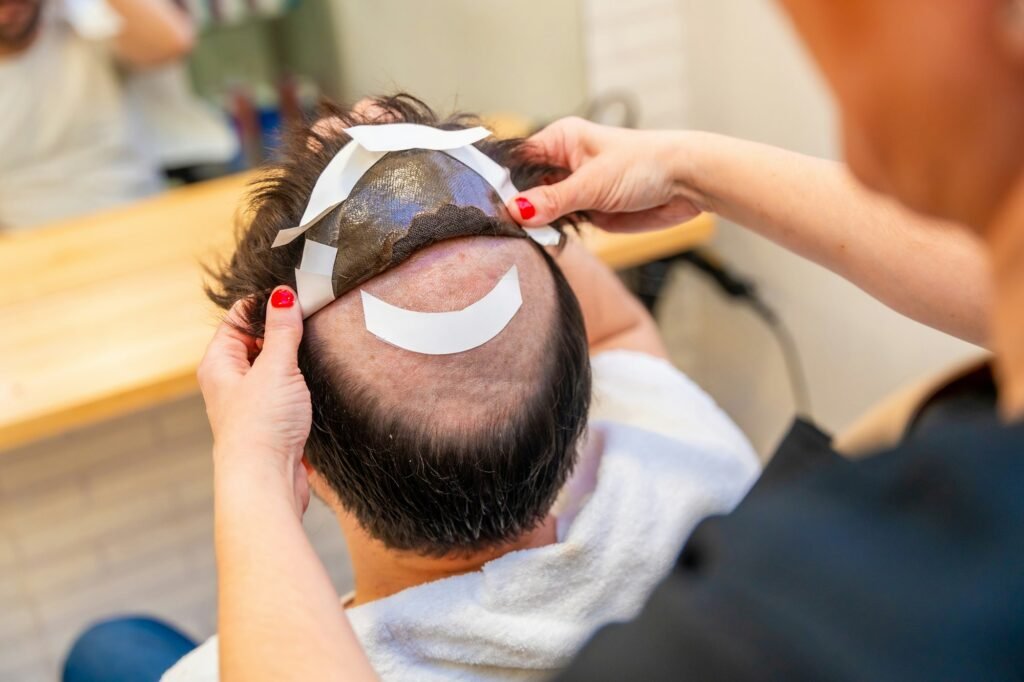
<point>627,180</point>
<point>257,400</point>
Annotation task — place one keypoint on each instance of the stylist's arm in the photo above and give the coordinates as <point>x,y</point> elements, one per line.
<point>932,271</point>
<point>279,616</point>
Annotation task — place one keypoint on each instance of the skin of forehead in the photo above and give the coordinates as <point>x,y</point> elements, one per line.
<point>447,276</point>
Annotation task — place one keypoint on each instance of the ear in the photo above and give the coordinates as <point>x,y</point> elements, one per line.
<point>1009,29</point>
<point>320,487</point>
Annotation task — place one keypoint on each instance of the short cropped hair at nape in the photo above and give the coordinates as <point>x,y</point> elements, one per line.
<point>411,485</point>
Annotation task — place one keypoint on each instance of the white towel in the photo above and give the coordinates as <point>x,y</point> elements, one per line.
<point>525,614</point>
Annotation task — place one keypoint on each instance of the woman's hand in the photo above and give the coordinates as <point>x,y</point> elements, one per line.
<point>628,180</point>
<point>259,410</point>
<point>278,614</point>
<point>645,179</point>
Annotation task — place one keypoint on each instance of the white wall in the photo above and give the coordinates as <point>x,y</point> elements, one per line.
<point>635,48</point>
<point>485,56</point>
<point>750,78</point>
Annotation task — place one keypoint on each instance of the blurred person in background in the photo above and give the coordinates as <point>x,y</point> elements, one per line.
<point>64,126</point>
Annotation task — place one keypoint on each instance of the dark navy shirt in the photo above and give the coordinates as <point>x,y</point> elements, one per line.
<point>906,565</point>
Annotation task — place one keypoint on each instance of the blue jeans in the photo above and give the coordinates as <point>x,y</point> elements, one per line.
<point>126,649</point>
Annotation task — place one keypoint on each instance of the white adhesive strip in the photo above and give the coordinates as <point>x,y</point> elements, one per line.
<point>448,332</point>
<point>396,137</point>
<point>318,258</point>
<point>332,187</point>
<point>545,236</point>
<point>497,176</point>
<point>313,279</point>
<point>315,291</point>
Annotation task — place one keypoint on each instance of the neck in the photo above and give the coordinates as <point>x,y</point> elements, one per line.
<point>1005,241</point>
<point>381,572</point>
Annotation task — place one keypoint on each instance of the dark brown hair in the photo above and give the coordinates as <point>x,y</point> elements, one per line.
<point>409,484</point>
<point>278,197</point>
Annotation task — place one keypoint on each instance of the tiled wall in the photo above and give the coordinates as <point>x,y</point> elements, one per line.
<point>109,520</point>
<point>637,48</point>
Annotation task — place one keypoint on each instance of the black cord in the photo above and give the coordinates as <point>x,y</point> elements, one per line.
<point>742,289</point>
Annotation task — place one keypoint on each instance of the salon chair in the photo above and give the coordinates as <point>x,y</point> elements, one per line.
<point>965,390</point>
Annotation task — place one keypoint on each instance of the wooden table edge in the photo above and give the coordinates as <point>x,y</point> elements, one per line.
<point>616,252</point>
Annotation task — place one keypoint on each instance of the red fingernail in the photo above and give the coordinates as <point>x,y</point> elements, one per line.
<point>282,298</point>
<point>526,209</point>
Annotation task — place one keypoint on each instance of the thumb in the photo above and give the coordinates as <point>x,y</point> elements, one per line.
<point>545,203</point>
<point>283,330</point>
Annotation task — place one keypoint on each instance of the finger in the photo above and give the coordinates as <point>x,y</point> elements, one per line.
<point>656,218</point>
<point>229,351</point>
<point>237,321</point>
<point>554,143</point>
<point>283,330</point>
<point>544,203</point>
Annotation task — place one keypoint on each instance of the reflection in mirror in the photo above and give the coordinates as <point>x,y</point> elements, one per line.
<point>111,101</point>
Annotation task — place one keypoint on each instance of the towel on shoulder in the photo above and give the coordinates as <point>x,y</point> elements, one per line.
<point>659,457</point>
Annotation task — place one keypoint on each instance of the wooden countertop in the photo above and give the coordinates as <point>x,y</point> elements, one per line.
<point>105,314</point>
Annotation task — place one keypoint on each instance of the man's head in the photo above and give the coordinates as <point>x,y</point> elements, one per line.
<point>436,454</point>
<point>18,22</point>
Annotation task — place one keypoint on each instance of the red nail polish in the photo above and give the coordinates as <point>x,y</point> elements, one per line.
<point>282,298</point>
<point>526,209</point>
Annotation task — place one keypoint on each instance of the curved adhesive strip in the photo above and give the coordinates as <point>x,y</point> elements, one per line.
<point>448,332</point>
<point>397,137</point>
<point>332,187</point>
